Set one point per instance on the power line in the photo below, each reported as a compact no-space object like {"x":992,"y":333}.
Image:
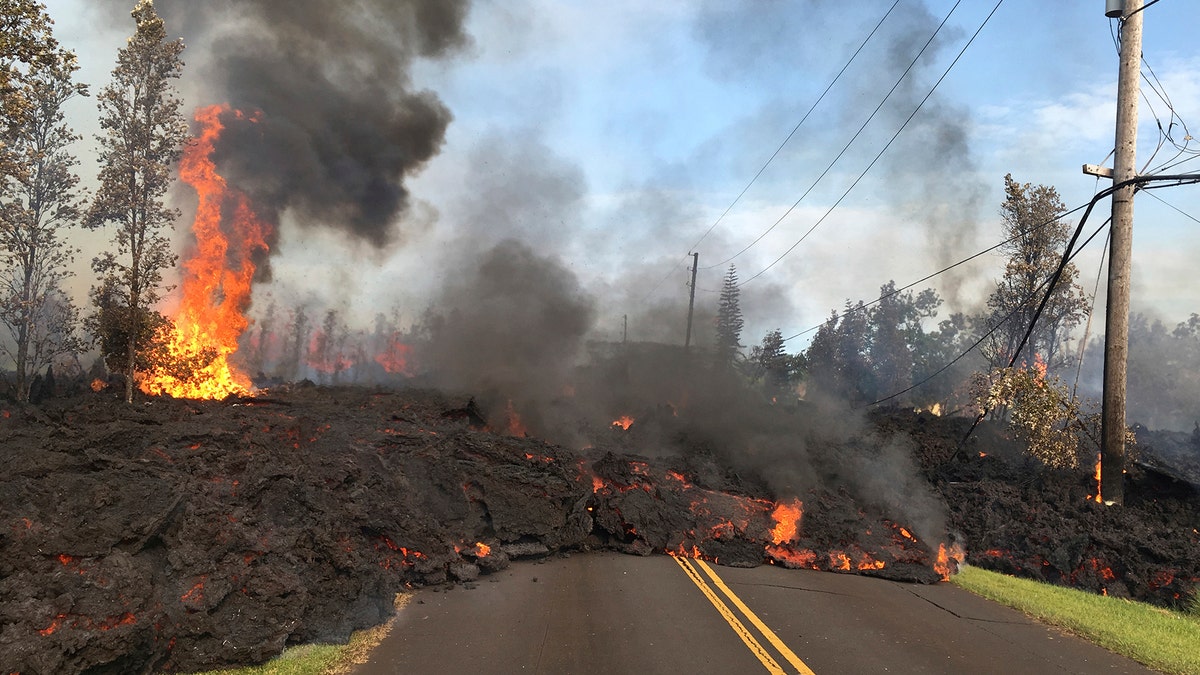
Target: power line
{"x":1068,"y":255}
{"x":882,"y":151}
{"x":968,"y":259}
{"x":1140,"y":9}
{"x":796,"y":128}
{"x":777,"y":151}
{"x":846,"y":147}
{"x":1181,"y":211}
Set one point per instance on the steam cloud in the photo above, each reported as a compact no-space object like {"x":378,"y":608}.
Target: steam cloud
{"x":341,"y":127}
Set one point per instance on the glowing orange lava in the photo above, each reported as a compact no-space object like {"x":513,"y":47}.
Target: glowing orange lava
{"x":624,"y":422}
{"x":217,"y":275}
{"x":787,"y":521}
{"x":482,"y":549}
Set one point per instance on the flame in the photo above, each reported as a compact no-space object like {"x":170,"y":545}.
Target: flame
{"x":945,"y":555}
{"x":1039,"y":366}
{"x":787,"y":521}
{"x":838,"y":560}
{"x":216,"y":277}
{"x":1099,"y":465}
{"x":395,"y":359}
{"x":624,"y":422}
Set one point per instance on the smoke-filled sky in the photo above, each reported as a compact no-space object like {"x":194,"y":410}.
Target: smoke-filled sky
{"x":405,"y":139}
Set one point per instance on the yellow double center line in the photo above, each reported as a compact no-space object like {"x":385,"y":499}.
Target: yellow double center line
{"x":691,"y":567}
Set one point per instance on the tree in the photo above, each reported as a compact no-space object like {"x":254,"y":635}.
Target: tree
{"x":25,"y":42}
{"x":896,"y":335}
{"x":729,"y":321}
{"x":1038,"y":236}
{"x":297,"y":344}
{"x":838,"y":358}
{"x":37,"y":202}
{"x":768,"y":361}
{"x":143,"y":139}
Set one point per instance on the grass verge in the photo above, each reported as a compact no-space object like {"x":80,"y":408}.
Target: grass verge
{"x":322,"y":659}
{"x":1161,"y":639}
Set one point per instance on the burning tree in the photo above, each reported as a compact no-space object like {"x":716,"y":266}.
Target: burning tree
{"x":1031,"y":220}
{"x":38,"y":199}
{"x":144,"y":138}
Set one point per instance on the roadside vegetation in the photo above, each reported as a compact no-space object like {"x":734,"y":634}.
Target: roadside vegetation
{"x":1159,"y":638}
{"x":322,"y":659}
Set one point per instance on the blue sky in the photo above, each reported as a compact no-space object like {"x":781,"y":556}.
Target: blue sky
{"x":612,"y":136}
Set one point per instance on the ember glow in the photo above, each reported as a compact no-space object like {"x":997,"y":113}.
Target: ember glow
{"x":217,"y":275}
{"x":623,"y":422}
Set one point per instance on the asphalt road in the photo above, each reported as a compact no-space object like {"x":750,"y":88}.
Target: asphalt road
{"x":611,"y":613}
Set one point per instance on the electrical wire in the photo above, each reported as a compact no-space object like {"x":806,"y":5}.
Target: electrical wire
{"x":849,"y":143}
{"x":1032,"y":293}
{"x":1179,"y":210}
{"x":1087,"y":329}
{"x":1139,"y":9}
{"x":777,"y":151}
{"x":968,"y":259}
{"x":882,"y":151}
{"x":796,"y":128}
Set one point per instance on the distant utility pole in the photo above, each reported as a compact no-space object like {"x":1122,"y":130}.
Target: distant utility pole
{"x":687,"y":341}
{"x":1116,"y":332}
{"x":625,"y":329}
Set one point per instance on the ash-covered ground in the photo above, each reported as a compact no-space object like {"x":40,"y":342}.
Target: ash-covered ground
{"x":174,"y":535}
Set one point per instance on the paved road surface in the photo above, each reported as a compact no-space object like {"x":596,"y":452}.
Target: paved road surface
{"x":611,"y":613}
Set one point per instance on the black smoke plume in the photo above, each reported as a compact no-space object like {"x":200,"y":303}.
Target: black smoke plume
{"x":341,"y":126}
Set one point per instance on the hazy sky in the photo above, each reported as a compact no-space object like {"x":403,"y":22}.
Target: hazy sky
{"x":613,"y":135}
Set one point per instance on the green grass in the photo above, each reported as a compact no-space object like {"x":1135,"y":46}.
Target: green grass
{"x":299,"y":660}
{"x":322,"y":659}
{"x":1161,"y":639}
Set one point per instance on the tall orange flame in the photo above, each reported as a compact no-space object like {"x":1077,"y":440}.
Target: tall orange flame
{"x":217,"y":274}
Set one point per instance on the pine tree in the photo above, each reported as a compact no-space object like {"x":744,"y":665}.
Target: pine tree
{"x":729,"y":321}
{"x":143,"y":140}
{"x":37,"y":202}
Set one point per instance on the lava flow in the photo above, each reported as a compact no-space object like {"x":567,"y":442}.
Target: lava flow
{"x":217,"y":275}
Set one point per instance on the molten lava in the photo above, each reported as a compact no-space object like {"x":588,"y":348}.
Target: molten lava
{"x":623,"y":422}
{"x":787,"y":521}
{"x":217,"y":275}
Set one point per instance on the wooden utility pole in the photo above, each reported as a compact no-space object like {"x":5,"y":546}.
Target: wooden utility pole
{"x":687,"y":341}
{"x":1116,"y":332}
